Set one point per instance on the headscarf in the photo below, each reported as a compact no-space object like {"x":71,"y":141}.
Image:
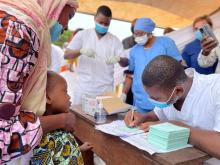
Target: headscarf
{"x":53,"y":8}
{"x":38,"y":15}
{"x":145,"y":24}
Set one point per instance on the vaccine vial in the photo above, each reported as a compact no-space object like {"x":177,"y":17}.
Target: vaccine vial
{"x":100,"y":114}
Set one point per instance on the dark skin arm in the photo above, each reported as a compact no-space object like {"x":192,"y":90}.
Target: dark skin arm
{"x":64,"y":121}
{"x":127,"y":83}
{"x":71,"y":54}
{"x":207,"y":141}
{"x":198,"y":137}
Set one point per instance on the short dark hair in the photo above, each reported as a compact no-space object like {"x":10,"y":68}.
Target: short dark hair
{"x":168,"y":30}
{"x":53,"y":79}
{"x":105,"y":10}
{"x":204,"y":17}
{"x":163,"y":71}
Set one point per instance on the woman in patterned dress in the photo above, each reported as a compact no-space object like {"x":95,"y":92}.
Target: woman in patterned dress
{"x":24,"y":56}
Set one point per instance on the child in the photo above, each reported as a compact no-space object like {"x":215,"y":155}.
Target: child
{"x":58,"y":147}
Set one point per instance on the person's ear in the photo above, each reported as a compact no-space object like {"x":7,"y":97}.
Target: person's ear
{"x":179,"y":91}
{"x":110,"y":19}
{"x":49,"y":99}
{"x":150,"y":35}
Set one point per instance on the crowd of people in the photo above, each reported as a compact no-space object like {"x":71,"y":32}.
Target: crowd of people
{"x":164,"y":84}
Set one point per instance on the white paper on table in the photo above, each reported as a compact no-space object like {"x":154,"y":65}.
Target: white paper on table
{"x":118,"y":128}
{"x":133,"y":136}
{"x":140,"y":141}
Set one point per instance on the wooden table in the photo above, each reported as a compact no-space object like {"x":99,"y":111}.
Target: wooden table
{"x":115,"y":151}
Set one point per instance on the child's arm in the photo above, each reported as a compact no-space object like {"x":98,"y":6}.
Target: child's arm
{"x":85,"y":146}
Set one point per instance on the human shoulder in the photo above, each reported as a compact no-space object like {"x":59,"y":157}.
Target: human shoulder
{"x":215,"y":80}
{"x":164,"y":38}
{"x":113,"y":37}
{"x":82,"y":36}
{"x":86,"y":31}
{"x":165,"y":41}
{"x":192,"y":44}
{"x":209,"y":82}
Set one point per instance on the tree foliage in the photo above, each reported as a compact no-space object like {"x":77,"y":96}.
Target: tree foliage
{"x":65,"y":37}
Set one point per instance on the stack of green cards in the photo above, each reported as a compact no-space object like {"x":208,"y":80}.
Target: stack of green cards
{"x":168,"y":136}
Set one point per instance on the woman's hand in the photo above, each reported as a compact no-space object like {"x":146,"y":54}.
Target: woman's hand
{"x":208,"y":44}
{"x":69,"y":121}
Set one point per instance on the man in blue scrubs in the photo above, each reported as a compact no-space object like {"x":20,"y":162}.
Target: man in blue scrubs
{"x":148,"y":47}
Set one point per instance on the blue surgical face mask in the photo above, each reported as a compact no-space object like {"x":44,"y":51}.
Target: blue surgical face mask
{"x":142,"y":40}
{"x":55,"y":31}
{"x":198,"y":35}
{"x":159,"y":104}
{"x":164,"y":104}
{"x":101,"y":29}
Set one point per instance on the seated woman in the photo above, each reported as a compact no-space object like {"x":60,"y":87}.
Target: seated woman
{"x":58,"y":146}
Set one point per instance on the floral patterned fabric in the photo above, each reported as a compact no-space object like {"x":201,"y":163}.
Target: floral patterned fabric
{"x":57,"y":148}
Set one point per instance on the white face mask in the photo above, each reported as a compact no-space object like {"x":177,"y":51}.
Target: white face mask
{"x":142,"y":40}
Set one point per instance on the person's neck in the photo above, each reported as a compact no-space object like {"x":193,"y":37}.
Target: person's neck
{"x":187,"y":86}
{"x":150,"y":42}
{"x":100,"y":35}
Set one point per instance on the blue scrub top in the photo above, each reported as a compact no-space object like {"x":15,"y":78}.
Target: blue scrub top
{"x":190,"y":55}
{"x":139,"y":58}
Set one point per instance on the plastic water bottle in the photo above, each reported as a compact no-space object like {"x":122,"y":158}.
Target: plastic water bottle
{"x":100,"y":114}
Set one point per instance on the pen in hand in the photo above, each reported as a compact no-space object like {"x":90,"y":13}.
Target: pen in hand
{"x":133,"y":109}
{"x":132,"y":114}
